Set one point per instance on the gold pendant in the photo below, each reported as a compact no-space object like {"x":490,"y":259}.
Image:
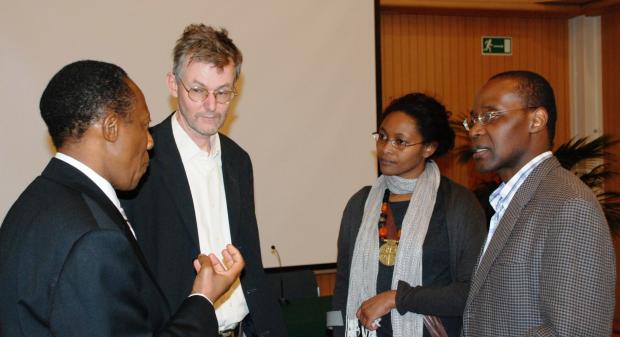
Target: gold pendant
{"x":387,"y":252}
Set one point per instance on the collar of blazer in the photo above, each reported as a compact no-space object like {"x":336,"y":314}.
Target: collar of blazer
{"x":166,"y":159}
{"x":69,"y":176}
{"x":508,"y":220}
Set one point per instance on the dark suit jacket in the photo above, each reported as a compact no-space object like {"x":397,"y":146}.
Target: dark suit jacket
{"x":549,"y":269}
{"x":70,"y":267}
{"x":162,"y":212}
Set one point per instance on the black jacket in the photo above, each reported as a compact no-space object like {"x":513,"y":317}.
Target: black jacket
{"x":459,"y":213}
{"x":70,"y":267}
{"x":162,"y":212}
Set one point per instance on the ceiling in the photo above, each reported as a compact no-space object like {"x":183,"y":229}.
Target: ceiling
{"x":566,"y":2}
{"x":567,"y":8}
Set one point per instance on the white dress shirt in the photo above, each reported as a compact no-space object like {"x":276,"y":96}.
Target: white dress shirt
{"x":501,"y":197}
{"x":107,"y":189}
{"x":100,"y":181}
{"x":206,"y":182}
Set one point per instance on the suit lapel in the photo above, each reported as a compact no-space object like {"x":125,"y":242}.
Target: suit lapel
{"x":68,"y":175}
{"x":509,"y":219}
{"x":231,"y":187}
{"x":167,"y":156}
{"x":65,"y":174}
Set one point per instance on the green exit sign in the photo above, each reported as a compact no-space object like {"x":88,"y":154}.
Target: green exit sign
{"x":496,"y":45}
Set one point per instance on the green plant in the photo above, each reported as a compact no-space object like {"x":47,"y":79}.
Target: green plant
{"x":578,"y":156}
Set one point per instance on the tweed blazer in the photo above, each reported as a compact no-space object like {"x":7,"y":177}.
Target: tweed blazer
{"x":549,"y":269}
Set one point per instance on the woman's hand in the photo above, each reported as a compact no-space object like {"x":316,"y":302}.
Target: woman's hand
{"x":376,"y":307}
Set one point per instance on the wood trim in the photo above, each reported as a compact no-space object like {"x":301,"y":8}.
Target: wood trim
{"x":326,"y":281}
{"x":325,"y":275}
{"x":610,"y":53}
{"x":601,"y":7}
{"x":456,"y":7}
{"x":441,"y":55}
{"x":502,"y":8}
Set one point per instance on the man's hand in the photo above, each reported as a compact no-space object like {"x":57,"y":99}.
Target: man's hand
{"x":376,"y":307}
{"x":214,"y":277}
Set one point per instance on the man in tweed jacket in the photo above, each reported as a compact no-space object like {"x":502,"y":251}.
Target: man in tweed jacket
{"x":547,"y":267}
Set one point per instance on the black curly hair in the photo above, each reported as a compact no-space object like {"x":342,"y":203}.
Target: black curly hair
{"x":432,"y":118}
{"x":535,"y":91}
{"x":80,"y":94}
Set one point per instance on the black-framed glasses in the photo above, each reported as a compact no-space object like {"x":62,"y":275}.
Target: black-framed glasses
{"x":396,"y":143}
{"x":487,"y":117}
{"x":200,"y":94}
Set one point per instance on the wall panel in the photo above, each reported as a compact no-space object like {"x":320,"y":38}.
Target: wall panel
{"x":326,"y":281}
{"x":610,"y":31}
{"x":441,"y":55}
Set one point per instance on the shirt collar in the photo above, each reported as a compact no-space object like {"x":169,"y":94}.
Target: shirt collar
{"x":187,"y":148}
{"x":100,"y":181}
{"x":505,"y":188}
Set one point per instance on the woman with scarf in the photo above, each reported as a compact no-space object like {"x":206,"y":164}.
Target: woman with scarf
{"x":408,"y":244}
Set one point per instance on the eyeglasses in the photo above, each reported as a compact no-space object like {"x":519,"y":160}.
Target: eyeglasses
{"x":199,"y":94}
{"x":487,"y":117}
{"x":398,"y":144}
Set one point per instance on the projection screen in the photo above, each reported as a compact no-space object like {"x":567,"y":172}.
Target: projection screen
{"x":305,"y":111}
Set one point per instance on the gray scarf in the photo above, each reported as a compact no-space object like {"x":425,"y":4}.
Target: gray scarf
{"x":408,"y":267}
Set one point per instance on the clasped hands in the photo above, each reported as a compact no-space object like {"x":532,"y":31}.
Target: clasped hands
{"x":376,"y":307}
{"x":379,"y":305}
{"x":215,"y":277}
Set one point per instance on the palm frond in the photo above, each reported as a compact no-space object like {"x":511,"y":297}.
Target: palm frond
{"x":570,"y":154}
{"x":607,"y":197}
{"x":482,"y":193}
{"x":610,"y":202}
{"x":580,"y":149}
{"x":463,"y":153}
{"x":597,"y":175}
{"x":457,"y":125}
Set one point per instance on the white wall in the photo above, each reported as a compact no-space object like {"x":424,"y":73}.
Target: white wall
{"x":586,"y":98}
{"x":586,"y":83}
{"x":305,"y":113}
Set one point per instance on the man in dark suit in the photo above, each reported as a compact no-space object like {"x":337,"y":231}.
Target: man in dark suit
{"x":69,"y":262}
{"x":198,"y":194}
{"x":547,"y":268}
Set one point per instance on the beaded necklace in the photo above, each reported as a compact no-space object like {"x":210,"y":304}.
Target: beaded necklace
{"x":388,"y":233}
